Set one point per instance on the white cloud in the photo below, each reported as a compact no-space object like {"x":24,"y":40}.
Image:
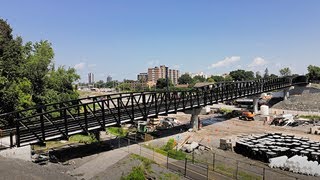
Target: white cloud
{"x":80,"y":66}
{"x":176,"y":66}
{"x":226,"y":62}
{"x":258,"y":61}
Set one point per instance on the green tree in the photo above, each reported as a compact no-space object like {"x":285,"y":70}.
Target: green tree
{"x":242,"y":75}
{"x":217,"y":78}
{"x":273,"y":76}
{"x":100,"y":84}
{"x":258,"y":75}
{"x":124,"y":87}
{"x":27,"y":73}
{"x":313,"y":72}
{"x":210,"y":80}
{"x":185,"y":79}
{"x":161,"y":83}
{"x":285,"y":71}
{"x":199,"y":79}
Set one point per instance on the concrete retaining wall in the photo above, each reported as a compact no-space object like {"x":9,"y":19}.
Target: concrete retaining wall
{"x":23,"y":153}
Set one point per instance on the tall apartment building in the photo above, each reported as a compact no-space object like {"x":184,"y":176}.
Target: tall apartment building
{"x":160,"y":72}
{"x":90,"y":78}
{"x":142,"y":77}
{"x":109,"y":79}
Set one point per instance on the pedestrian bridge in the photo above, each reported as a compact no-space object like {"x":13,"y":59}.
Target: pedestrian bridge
{"x":60,"y":120}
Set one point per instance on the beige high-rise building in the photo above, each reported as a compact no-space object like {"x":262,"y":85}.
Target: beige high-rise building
{"x":160,"y":72}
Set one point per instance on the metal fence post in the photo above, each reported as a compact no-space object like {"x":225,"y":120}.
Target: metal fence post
{"x":118,"y":142}
{"x":168,"y":160}
{"x":185,"y":167}
{"x":140,"y":149}
{"x":128,"y":145}
{"x":264,"y":174}
{"x":208,"y":171}
{"x":213,"y":162}
{"x":193,"y":157}
{"x":237,"y":170}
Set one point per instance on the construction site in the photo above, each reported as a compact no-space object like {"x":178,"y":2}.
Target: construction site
{"x":268,"y":137}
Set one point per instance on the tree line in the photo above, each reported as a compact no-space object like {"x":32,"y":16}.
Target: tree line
{"x":28,"y":75}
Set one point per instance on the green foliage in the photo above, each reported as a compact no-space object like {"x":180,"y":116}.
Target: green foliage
{"x":137,"y":173}
{"x":242,"y":75}
{"x":185,"y":79}
{"x":258,"y":75}
{"x":117,"y":131}
{"x":285,"y":71}
{"x":312,"y":117}
{"x":170,"y":145}
{"x":273,"y":76}
{"x":79,"y":138}
{"x":161,"y":83}
{"x":124,"y":87}
{"x":313,"y":72}
{"x":224,"y":110}
{"x":169,"y":176}
{"x":266,"y":73}
{"x":145,"y":161}
{"x":199,"y":78}
{"x":179,"y":155}
{"x":27,"y":73}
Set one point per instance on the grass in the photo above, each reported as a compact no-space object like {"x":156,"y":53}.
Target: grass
{"x":145,"y":161}
{"x":228,"y":171}
{"x":247,"y":176}
{"x":225,"y":110}
{"x":137,"y":173}
{"x":168,"y":149}
{"x":117,"y":131}
{"x":169,"y":176}
{"x":79,"y":138}
{"x":311,"y":117}
{"x":49,"y":145}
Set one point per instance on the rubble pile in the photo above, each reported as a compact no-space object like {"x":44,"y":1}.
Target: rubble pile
{"x":304,"y":102}
{"x":194,"y":147}
{"x":265,"y":146}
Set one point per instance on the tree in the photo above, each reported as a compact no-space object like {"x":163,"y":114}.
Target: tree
{"x":273,"y":76}
{"x":258,"y":75}
{"x":199,"y":78}
{"x":285,"y":71}
{"x":161,"y":83}
{"x":185,"y":79}
{"x":100,"y":84}
{"x":242,"y":75}
{"x":210,"y":80}
{"x":28,"y":76}
{"x":313,"y":72}
{"x":266,"y":73}
{"x":217,"y":78}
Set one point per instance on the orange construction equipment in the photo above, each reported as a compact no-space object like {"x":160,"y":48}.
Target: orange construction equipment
{"x":246,"y":115}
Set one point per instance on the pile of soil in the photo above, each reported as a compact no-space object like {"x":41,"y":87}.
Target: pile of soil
{"x":304,"y":102}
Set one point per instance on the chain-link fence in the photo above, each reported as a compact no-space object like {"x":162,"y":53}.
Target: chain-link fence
{"x":196,"y":166}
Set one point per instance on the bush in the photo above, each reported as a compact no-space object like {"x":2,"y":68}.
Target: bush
{"x":137,"y":173}
{"x":87,"y":139}
{"x":174,"y":154}
{"x":117,"y":131}
{"x":170,"y":145}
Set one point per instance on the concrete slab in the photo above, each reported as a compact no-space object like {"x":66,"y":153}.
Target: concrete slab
{"x":23,"y":153}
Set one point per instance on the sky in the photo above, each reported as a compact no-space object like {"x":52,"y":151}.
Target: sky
{"x":122,"y":38}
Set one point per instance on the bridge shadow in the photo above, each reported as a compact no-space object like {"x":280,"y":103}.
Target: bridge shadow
{"x":74,"y":151}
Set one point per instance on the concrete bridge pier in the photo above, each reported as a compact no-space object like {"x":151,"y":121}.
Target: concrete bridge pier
{"x":286,"y":93}
{"x":256,"y":104}
{"x":194,"y":121}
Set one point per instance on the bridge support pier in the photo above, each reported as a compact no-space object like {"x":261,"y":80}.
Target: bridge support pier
{"x":256,"y":104}
{"x":286,"y":93}
{"x":194,"y":121}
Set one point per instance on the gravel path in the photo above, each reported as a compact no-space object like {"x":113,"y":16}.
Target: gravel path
{"x":18,"y":169}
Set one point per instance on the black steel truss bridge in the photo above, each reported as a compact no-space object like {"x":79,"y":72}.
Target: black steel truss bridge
{"x":60,"y":120}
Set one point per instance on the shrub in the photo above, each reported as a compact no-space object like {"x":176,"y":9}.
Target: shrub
{"x":137,"y":173}
{"x":87,"y":139}
{"x":117,"y":131}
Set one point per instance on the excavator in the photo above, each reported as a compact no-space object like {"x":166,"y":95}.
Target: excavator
{"x":246,"y":115}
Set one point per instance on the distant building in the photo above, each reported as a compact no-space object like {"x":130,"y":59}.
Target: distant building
{"x":142,"y":77}
{"x":90,"y":78}
{"x":109,"y":79}
{"x":160,"y":72}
